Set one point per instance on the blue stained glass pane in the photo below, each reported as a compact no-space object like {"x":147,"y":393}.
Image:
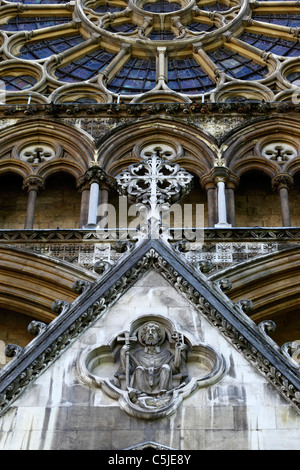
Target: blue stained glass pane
{"x":43,"y":49}
{"x":161,"y":6}
{"x":13,"y":83}
{"x":277,"y":46}
{"x":107,"y":8}
{"x":121,"y":28}
{"x":216,"y":6}
{"x":287,"y":19}
{"x":40,"y":1}
{"x":238,"y":66}
{"x":161,"y":36}
{"x":201,"y":27}
{"x":294,"y":78}
{"x":84,"y":68}
{"x":28,"y":23}
{"x":186,"y":76}
{"x":136,"y":77}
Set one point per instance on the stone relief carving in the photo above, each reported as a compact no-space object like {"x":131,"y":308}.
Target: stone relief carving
{"x":151,"y":367}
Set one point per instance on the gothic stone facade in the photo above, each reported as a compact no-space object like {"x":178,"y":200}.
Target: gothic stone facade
{"x":112,"y":338}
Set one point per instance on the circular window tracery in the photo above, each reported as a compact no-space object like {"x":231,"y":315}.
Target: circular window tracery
{"x":207,"y":45}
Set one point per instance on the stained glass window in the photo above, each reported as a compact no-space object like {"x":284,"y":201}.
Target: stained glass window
{"x":21,"y":23}
{"x":137,"y":76}
{"x":292,"y":21}
{"x":107,"y":8}
{"x":23,"y":82}
{"x":161,"y":35}
{"x":277,"y":46}
{"x":238,"y":66}
{"x":216,"y":6}
{"x":135,"y":27}
{"x":201,"y":27}
{"x":294,"y":78}
{"x":121,"y":28}
{"x":161,"y":6}
{"x":42,"y":49}
{"x":186,"y":76}
{"x":84,"y":68}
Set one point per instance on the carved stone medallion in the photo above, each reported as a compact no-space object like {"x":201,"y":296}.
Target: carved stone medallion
{"x":151,"y":367}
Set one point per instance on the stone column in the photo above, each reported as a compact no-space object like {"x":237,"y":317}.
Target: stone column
{"x":103,"y":201}
{"x":84,"y":188}
{"x":33,"y":184}
{"x":94,"y":175}
{"x":161,"y":67}
{"x":232,"y":184}
{"x":220,"y":176}
{"x":211,"y":203}
{"x":105,"y":75}
{"x":283,"y":183}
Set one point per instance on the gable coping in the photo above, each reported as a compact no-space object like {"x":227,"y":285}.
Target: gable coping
{"x":96,"y":298}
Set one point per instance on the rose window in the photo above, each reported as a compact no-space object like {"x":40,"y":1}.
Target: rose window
{"x":154,"y":50}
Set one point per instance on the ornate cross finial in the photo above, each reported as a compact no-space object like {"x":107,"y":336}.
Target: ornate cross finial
{"x":154,"y":183}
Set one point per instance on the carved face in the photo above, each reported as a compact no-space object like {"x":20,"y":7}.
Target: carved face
{"x":151,"y":334}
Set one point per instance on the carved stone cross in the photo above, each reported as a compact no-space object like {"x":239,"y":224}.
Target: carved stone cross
{"x":154,"y":183}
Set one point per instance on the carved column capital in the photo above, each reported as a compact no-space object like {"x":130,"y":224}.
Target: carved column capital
{"x":33,"y":183}
{"x":82,"y":183}
{"x":95,"y":174}
{"x":220,"y":174}
{"x":282,"y":180}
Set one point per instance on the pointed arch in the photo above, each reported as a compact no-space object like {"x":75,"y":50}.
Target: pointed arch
{"x":30,"y":282}
{"x":244,"y":143}
{"x":73,"y":149}
{"x":116,"y":149}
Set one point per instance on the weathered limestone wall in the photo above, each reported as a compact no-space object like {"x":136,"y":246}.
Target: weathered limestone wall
{"x":241,"y":411}
{"x":256,"y":203}
{"x":13,"y":202}
{"x":58,"y":205}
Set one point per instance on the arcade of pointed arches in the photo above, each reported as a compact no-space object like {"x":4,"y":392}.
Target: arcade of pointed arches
{"x":56,"y":165}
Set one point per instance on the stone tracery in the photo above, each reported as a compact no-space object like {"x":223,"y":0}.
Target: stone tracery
{"x":131,"y":48}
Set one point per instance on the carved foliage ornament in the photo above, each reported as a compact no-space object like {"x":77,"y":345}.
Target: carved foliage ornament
{"x":151,"y":367}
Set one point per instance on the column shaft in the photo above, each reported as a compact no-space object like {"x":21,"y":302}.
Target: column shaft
{"x":103,"y":202}
{"x":285,"y":207}
{"x":84,"y":208}
{"x":222,"y":212}
{"x":93,"y":204}
{"x":31,"y":204}
{"x":231,"y":206}
{"x":211,"y":206}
